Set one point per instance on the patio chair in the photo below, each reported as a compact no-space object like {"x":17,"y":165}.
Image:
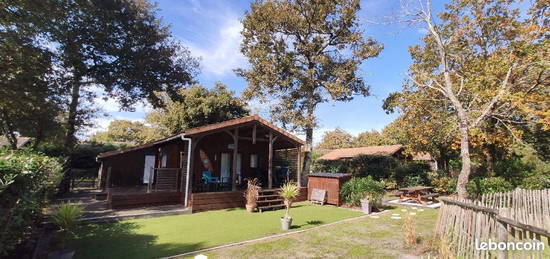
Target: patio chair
{"x":208,"y":178}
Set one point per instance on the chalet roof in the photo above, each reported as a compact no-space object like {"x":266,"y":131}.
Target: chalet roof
{"x":207,"y":129}
{"x":422,"y":156}
{"x":329,"y":175}
{"x":343,"y":153}
{"x":21,"y":141}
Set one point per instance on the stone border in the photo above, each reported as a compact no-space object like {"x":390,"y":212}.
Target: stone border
{"x":271,"y":237}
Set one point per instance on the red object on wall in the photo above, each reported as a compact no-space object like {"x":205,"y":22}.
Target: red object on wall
{"x":330,"y":182}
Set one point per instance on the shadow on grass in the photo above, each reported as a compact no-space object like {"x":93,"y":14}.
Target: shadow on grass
{"x":119,"y":240}
{"x":308,"y":223}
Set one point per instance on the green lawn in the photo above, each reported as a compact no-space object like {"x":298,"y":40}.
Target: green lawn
{"x":364,"y":238}
{"x":171,"y":235}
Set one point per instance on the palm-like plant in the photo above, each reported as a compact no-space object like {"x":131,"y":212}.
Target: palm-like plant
{"x":289,"y":192}
{"x":252,"y":191}
{"x":66,"y":218}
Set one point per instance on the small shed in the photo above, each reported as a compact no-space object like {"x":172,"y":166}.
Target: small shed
{"x":330,"y":182}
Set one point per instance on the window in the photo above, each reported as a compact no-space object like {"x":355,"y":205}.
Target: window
{"x":253,"y":160}
{"x":164,"y":160}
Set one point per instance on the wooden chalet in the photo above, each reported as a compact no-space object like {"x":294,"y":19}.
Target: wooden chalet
{"x":203,"y":168}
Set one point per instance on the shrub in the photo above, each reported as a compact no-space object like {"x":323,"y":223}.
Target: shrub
{"x":413,"y":180}
{"x":358,"y":188}
{"x":536,"y":182}
{"x":389,"y":184}
{"x":26,"y":180}
{"x":66,"y":218}
{"x":479,"y":186}
{"x":442,"y":183}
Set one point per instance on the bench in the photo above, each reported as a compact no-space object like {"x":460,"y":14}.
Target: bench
{"x":318,"y":196}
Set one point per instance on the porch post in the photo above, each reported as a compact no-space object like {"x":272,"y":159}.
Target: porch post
{"x":270,"y":162}
{"x":299,"y":166}
{"x":235,"y":154}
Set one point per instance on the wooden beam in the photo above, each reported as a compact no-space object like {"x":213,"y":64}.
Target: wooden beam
{"x":257,"y":139}
{"x":270,"y":162}
{"x":254,"y":134}
{"x":299,"y":166}
{"x":235,"y":154}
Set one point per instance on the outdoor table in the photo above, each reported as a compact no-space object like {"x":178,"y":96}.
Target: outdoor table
{"x":417,"y":193}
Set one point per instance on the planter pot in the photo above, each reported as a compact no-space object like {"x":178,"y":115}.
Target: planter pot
{"x":366,"y":206}
{"x":286,"y":223}
{"x":64,"y":254}
{"x":250,"y":208}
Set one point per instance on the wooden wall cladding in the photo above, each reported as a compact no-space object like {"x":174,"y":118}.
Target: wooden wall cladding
{"x":134,"y":200}
{"x":331,"y":185}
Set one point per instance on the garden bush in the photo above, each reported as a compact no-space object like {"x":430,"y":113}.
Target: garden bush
{"x":479,"y":186}
{"x":536,"y":182}
{"x":442,"y":182}
{"x":358,"y":188}
{"x":26,"y":181}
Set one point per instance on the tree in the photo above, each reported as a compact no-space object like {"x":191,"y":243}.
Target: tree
{"x":118,"y":47}
{"x":336,"y":138}
{"x":193,"y":107}
{"x":369,"y":138}
{"x":303,"y":53}
{"x":121,"y":131}
{"x":29,"y":103}
{"x":483,"y":62}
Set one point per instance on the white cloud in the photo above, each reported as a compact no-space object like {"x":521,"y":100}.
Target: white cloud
{"x":222,"y":54}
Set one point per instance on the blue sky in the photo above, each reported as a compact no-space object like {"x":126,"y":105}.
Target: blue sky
{"x":211,"y":30}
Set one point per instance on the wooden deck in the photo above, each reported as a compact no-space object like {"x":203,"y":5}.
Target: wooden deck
{"x":134,"y":197}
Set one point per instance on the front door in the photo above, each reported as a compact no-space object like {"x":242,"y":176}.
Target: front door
{"x":148,"y":168}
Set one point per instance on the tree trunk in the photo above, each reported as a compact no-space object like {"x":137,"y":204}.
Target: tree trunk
{"x":307,"y":155}
{"x":70,"y":138}
{"x":489,"y":160}
{"x":466,"y":163}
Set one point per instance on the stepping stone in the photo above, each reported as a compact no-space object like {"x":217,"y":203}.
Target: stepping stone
{"x":414,"y":208}
{"x":403,"y":210}
{"x":412,"y":213}
{"x":420,"y":210}
{"x":395,"y":214}
{"x":395,"y":217}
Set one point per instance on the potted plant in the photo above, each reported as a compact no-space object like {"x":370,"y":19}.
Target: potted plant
{"x":251,"y":194}
{"x":288,"y":192}
{"x":66,"y":217}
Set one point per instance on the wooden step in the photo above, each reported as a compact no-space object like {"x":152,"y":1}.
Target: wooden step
{"x":268,"y":196}
{"x":275,"y":206}
{"x":269,"y":201}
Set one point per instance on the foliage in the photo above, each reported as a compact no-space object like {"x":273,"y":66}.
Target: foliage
{"x":475,"y":87}
{"x":252,"y":191}
{"x":389,"y":183}
{"x":121,"y":131}
{"x":26,"y":180}
{"x":375,"y":138}
{"x":289,"y":191}
{"x":536,"y":182}
{"x":358,"y":188}
{"x":302,"y":54}
{"x":379,"y":167}
{"x":336,"y":138}
{"x":193,"y":107}
{"x":479,"y":186}
{"x":442,"y":182}
{"x":412,"y":180}
{"x":66,"y":216}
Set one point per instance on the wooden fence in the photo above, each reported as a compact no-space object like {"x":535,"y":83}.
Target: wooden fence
{"x":510,"y":217}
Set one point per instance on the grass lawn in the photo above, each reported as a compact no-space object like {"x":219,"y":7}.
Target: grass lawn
{"x":171,"y":235}
{"x":365,"y":238}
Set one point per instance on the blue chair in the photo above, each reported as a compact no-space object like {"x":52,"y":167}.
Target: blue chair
{"x":208,"y":178}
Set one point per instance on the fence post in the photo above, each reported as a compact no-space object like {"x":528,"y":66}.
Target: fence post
{"x":502,"y":237}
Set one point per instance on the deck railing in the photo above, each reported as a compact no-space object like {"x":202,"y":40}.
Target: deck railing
{"x":165,"y":179}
